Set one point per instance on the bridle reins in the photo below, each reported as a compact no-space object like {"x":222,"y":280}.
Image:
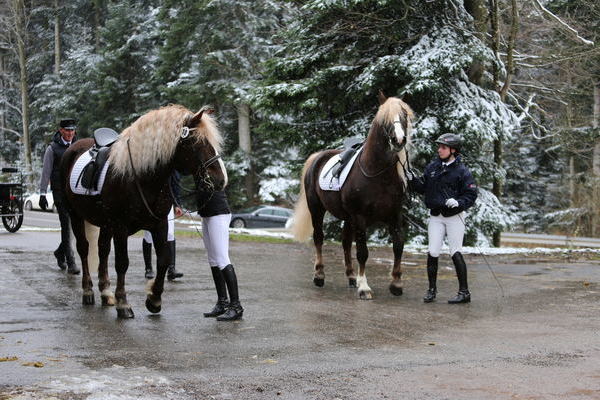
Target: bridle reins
{"x":205,"y":178}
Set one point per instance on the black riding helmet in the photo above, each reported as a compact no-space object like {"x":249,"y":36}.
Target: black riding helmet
{"x":450,"y":140}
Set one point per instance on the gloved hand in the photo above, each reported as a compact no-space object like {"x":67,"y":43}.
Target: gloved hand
{"x":410,"y":174}
{"x":451,"y":203}
{"x":43,"y":202}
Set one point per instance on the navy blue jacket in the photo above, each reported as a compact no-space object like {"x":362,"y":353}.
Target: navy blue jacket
{"x":212,"y":203}
{"x":439,"y":183}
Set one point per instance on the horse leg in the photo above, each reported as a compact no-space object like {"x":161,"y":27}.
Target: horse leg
{"x":163,"y":256}
{"x":317,"y":215}
{"x":78,"y":226}
{"x":107,"y":296}
{"x":347,"y":238}
{"x":362,"y":253}
{"x":121,"y":265}
{"x":397,"y":231}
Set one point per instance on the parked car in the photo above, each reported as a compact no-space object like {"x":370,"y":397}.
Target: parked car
{"x":32,"y":202}
{"x":261,"y":217}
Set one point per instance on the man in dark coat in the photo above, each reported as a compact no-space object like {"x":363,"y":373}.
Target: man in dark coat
{"x":51,"y":174}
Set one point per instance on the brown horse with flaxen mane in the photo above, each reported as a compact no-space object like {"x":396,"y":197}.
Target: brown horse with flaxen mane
{"x":136,"y":193}
{"x":374,"y":191}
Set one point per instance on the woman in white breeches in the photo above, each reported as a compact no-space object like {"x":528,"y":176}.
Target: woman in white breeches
{"x":449,"y":189}
{"x":216,"y":216}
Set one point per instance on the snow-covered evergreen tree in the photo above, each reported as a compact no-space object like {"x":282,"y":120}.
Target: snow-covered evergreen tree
{"x":340,"y":53}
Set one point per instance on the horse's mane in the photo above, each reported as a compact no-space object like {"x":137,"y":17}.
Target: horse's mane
{"x":153,"y":138}
{"x":392,"y":107}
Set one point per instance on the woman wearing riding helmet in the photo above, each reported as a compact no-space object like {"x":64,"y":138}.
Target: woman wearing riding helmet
{"x":449,"y":190}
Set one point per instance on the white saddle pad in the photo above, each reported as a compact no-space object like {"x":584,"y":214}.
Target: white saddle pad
{"x":75,"y":181}
{"x":326,"y":179}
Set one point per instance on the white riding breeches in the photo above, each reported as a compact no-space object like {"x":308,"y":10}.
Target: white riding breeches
{"x":451,"y":227}
{"x":215,"y":234}
{"x":171,"y":229}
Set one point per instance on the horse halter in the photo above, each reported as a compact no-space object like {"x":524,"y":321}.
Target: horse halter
{"x":203,"y":176}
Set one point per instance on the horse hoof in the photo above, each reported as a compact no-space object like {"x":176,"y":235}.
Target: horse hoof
{"x":396,"y":290}
{"x":125,"y":313}
{"x":365,"y":295}
{"x":88,"y":299}
{"x":153,"y":308}
{"x":352,"y":282}
{"x":108,"y":301}
{"x":320,"y":282}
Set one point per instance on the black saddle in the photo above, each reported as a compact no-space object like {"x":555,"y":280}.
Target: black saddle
{"x":351,"y":146}
{"x":90,"y":175}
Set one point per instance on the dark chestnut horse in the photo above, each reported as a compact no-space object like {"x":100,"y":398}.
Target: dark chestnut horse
{"x":136,"y":193}
{"x":374,"y":191}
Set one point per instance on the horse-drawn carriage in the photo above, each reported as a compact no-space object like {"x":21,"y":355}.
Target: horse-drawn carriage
{"x":11,"y":200}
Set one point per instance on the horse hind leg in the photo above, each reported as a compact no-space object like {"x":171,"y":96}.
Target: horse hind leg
{"x":317,"y":215}
{"x":347,"y":238}
{"x":107,"y":296}
{"x":82,"y":244}
{"x":362,"y":253}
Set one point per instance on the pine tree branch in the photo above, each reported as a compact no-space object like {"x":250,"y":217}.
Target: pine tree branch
{"x":560,"y":22}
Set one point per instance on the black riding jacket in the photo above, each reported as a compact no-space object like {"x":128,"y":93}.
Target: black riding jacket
{"x":212,"y":203}
{"x":440,"y":183}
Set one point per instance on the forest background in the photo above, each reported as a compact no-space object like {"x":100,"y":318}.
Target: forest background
{"x":518,"y":79}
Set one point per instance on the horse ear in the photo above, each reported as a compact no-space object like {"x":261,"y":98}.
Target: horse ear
{"x":381,"y":96}
{"x":195,"y":120}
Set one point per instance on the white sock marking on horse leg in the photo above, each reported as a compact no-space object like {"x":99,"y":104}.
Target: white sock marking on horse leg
{"x":363,"y":286}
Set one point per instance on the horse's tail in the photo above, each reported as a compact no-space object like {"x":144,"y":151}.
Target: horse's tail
{"x":91,"y":234}
{"x":302,"y":227}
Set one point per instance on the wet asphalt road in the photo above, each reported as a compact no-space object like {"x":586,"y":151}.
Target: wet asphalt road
{"x":297,"y":341}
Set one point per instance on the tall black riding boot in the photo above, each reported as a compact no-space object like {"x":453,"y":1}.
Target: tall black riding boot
{"x":147,"y":252}
{"x":222,"y":301}
{"x":432,"y":269}
{"x":235,"y":310}
{"x":463,"y":295}
{"x":172,"y":273}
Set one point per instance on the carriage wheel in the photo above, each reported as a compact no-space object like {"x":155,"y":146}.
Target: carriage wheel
{"x":12,"y":223}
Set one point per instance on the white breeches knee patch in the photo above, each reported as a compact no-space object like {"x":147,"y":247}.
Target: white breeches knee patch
{"x":215,"y":234}
{"x":451,"y":227}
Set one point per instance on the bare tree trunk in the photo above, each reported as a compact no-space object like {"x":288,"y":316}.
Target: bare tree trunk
{"x":56,"y":39}
{"x":245,"y":142}
{"x":510,"y":68}
{"x":596,"y":164}
{"x":595,"y":125}
{"x":2,"y":88}
{"x":21,"y":38}
{"x":479,"y":11}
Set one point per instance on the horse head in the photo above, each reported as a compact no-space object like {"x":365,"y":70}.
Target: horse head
{"x":197,"y":152}
{"x":394,"y":117}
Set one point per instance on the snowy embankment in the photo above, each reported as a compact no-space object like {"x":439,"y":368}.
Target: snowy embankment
{"x":410,"y":247}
